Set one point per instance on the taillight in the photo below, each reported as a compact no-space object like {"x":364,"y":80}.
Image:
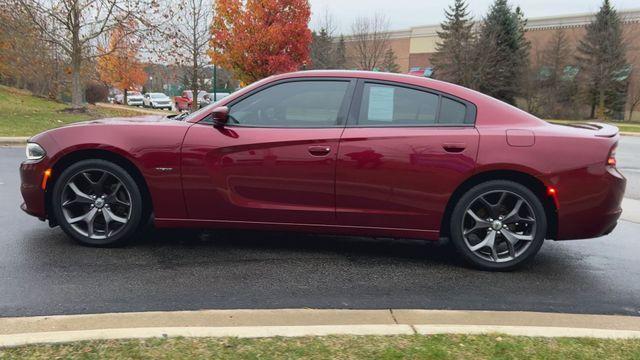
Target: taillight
{"x":611,"y":160}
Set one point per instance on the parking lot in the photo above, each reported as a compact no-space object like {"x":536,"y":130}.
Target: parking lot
{"x":43,"y":272}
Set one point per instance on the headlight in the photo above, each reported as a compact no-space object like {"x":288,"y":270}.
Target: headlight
{"x":35,"y":151}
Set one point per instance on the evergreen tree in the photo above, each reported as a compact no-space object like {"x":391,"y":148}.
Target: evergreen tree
{"x":389,"y":62}
{"x":602,"y":57}
{"x":503,"y":32}
{"x":452,"y":61}
{"x":322,"y":54}
{"x":557,"y":85}
{"x":341,"y":54}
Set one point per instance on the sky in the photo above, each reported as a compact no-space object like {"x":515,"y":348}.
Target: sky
{"x":404,"y":14}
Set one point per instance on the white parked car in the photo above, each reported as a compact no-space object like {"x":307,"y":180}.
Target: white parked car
{"x":135,"y":98}
{"x":157,"y":101}
{"x":210,"y":98}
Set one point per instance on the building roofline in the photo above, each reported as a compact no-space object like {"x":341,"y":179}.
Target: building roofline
{"x":537,"y":23}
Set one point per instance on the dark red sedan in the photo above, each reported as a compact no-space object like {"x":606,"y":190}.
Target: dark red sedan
{"x":354,"y":153}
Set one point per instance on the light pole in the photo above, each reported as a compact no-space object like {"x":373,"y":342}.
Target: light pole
{"x":215,"y":82}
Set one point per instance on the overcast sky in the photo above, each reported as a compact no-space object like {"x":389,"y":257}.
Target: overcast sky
{"x":407,"y":13}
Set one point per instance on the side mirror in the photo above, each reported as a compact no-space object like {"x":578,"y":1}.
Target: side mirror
{"x":220,"y":116}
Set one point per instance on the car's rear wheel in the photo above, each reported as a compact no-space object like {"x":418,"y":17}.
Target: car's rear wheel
{"x":97,"y":203}
{"x":498,"y":225}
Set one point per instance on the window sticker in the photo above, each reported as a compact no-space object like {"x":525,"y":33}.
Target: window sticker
{"x":381,"y":100}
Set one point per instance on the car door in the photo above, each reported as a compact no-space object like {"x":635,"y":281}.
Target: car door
{"x":403,"y":153}
{"x":275,"y":161}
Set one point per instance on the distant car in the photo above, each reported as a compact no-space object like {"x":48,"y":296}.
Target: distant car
{"x":157,"y":101}
{"x":119,"y":99}
{"x":184,"y":101}
{"x":336,"y":152}
{"x":418,"y":71}
{"x":210,"y":98}
{"x":135,"y":98}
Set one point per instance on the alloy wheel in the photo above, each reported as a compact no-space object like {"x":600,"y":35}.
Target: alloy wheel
{"x":499,"y":226}
{"x":96,"y":204}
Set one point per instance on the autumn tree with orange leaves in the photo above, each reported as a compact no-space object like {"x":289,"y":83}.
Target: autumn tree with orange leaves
{"x":259,"y":38}
{"x":119,"y":66}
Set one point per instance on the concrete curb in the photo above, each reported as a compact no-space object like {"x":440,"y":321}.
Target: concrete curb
{"x":308,"y":322}
{"x":13,"y":141}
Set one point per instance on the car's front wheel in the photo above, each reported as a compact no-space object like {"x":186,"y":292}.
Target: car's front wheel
{"x":498,"y":225}
{"x":97,"y":203}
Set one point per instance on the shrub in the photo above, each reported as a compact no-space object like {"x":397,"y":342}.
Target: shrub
{"x":96,"y":91}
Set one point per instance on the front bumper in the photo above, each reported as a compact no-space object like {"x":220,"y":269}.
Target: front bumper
{"x":31,"y":175}
{"x":590,"y":202}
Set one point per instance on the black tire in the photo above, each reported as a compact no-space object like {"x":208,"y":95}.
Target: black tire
{"x":135,"y":208}
{"x":488,"y":188}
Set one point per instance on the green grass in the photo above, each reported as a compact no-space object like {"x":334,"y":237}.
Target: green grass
{"x":338,"y":347}
{"x":22,"y":114}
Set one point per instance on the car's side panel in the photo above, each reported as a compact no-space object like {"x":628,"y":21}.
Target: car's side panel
{"x":152,"y":146}
{"x":402,"y":177}
{"x":260,"y":174}
{"x":573,"y":162}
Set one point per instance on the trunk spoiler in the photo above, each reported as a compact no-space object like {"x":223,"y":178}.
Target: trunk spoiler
{"x":601,"y":129}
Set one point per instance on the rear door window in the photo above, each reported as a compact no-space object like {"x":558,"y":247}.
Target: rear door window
{"x":389,"y":105}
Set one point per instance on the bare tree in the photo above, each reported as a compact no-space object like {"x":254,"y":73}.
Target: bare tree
{"x":187,"y":37}
{"x":370,"y":41}
{"x":76,"y":26}
{"x":633,"y":92}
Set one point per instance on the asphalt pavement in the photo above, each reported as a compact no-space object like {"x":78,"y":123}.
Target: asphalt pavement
{"x":628,"y":156}
{"x":42,"y":272}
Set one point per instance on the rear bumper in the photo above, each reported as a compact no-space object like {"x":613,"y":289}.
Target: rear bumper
{"x":590,"y":202}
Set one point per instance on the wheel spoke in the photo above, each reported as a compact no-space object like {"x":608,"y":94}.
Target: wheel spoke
{"x":113,"y":217}
{"x":503,"y":197}
{"x":513,"y":237}
{"x":513,"y":215}
{"x":96,"y":186}
{"x":488,"y":241}
{"x":479,"y":223}
{"x":489,"y":206}
{"x":80,"y":196}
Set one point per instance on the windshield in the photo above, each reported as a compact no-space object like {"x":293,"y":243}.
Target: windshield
{"x":204,"y":110}
{"x":158,"y":96}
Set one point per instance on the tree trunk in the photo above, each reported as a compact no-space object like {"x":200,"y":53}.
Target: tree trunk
{"x":76,"y":59}
{"x":76,"y":86}
{"x":126,"y":96}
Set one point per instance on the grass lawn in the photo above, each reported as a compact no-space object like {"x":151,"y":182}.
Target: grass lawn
{"x":338,"y":347}
{"x":22,"y":114}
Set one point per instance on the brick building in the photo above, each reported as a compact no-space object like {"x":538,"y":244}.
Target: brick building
{"x":415,"y":46}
